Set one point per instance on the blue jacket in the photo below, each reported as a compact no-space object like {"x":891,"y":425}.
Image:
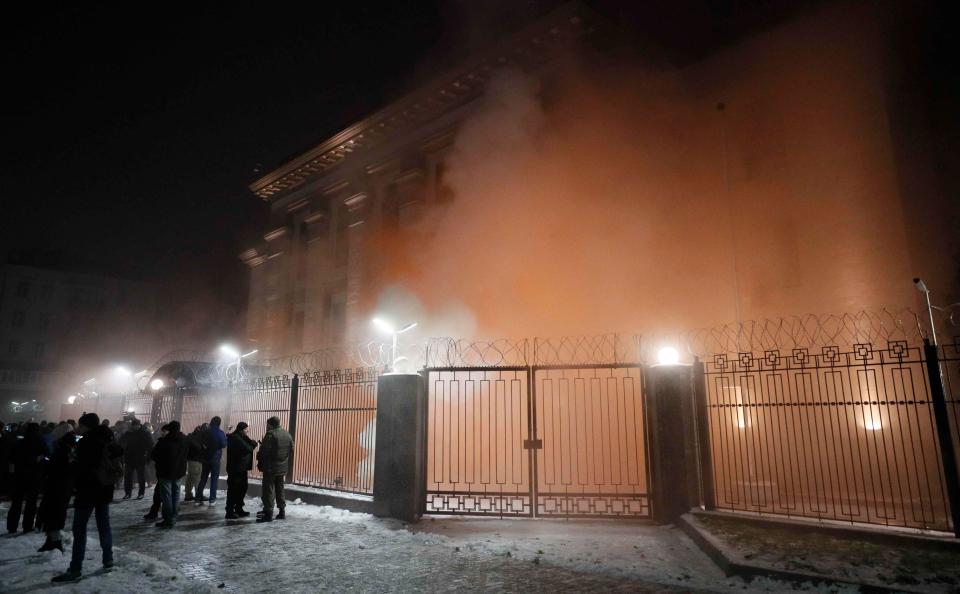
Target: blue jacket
{"x":216,"y":441}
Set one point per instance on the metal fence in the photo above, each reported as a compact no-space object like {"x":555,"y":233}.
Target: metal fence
{"x":834,"y":433}
{"x":536,"y":428}
{"x":330,"y":413}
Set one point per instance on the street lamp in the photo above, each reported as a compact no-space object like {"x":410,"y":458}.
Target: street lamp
{"x":233,"y":353}
{"x":156,"y":384}
{"x":388,"y":328}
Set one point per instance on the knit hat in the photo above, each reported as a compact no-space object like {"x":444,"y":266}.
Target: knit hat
{"x":173,"y":426}
{"x":241,"y":426}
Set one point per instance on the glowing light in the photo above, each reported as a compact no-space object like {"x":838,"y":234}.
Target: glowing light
{"x":229,"y":351}
{"x":383,"y":325}
{"x":71,"y":399}
{"x":121,"y":370}
{"x":140,"y":373}
{"x":872,"y":425}
{"x":668,"y":356}
{"x":156,"y":384}
{"x":254,"y":351}
{"x":131,"y":409}
{"x":90,"y":381}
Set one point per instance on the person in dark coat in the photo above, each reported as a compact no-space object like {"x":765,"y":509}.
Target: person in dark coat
{"x":95,"y":471}
{"x":274,"y":460}
{"x":194,"y":462}
{"x":170,"y":456}
{"x":28,"y":454}
{"x":239,"y":462}
{"x":137,"y":443}
{"x":58,"y":487}
{"x":214,"y":441}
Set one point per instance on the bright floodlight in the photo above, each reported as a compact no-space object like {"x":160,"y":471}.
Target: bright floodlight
{"x":71,"y":399}
{"x":407,"y":327}
{"x":383,"y":325}
{"x":668,"y":356}
{"x":131,"y":409}
{"x":253,"y":352}
{"x":120,"y":369}
{"x":228,"y":350}
{"x":156,"y":384}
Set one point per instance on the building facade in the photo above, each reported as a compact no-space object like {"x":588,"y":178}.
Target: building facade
{"x":796,"y":189}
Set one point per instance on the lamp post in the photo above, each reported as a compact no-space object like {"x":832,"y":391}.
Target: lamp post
{"x":388,"y":328}
{"x":235,"y":354}
{"x":922,"y":287}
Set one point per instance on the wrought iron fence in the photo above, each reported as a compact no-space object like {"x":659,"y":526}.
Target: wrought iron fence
{"x":331,"y":413}
{"x":336,"y":429}
{"x":830,"y":433}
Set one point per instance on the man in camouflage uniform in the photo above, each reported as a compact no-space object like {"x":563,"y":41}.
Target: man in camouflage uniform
{"x":273,"y":460}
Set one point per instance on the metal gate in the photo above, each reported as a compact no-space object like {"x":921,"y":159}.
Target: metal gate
{"x":559,"y":441}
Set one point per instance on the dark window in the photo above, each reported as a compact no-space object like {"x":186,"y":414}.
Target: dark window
{"x":13,"y":348}
{"x":23,"y":289}
{"x":38,"y":349}
{"x":18,"y":318}
{"x":43,"y":322}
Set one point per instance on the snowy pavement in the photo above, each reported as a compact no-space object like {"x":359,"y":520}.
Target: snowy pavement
{"x":327,"y":549}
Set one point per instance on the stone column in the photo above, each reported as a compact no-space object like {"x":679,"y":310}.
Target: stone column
{"x":398,"y":476}
{"x":674,"y":484}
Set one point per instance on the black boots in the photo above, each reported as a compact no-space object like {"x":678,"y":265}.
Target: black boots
{"x":49,"y":545}
{"x":281,"y":515}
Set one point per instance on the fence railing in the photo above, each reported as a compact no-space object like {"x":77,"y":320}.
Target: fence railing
{"x":832,"y":433}
{"x":332,"y":415}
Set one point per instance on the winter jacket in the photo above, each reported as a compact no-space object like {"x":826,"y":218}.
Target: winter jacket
{"x":93,"y":446}
{"x":170,"y":455}
{"x":215,"y":440}
{"x":28,"y":454}
{"x":276,"y":449}
{"x":137,"y":444}
{"x":239,"y":452}
{"x":196,"y":453}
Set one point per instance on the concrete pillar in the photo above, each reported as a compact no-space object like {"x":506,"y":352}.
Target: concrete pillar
{"x":398,"y":479}
{"x":675,"y":481}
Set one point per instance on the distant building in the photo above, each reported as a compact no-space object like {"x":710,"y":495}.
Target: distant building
{"x":814,"y":166}
{"x":55,"y":326}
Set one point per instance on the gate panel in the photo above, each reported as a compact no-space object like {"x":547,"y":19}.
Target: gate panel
{"x":253,"y":403}
{"x":477,"y":422}
{"x":840,"y":435}
{"x":593,"y":462}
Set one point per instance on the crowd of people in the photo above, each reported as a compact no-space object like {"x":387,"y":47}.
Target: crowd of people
{"x":86,"y":461}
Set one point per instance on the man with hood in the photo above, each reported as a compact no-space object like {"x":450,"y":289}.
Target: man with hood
{"x":96,"y":469}
{"x":170,"y":455}
{"x":239,"y":461}
{"x":214,"y":440}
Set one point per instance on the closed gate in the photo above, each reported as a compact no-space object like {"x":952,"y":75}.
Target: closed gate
{"x":558,"y":441}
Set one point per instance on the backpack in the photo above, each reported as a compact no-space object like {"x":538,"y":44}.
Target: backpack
{"x":109,"y":471}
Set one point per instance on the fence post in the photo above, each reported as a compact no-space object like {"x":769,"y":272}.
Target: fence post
{"x":398,"y":470}
{"x":942,"y":416}
{"x":294,"y":396}
{"x":701,"y":418}
{"x":177,"y":412}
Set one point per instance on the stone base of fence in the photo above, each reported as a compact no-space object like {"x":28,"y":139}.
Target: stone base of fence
{"x":315,"y":496}
{"x":398,"y":479}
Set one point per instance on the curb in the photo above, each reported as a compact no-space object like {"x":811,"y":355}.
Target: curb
{"x":314,"y":497}
{"x":731,"y":564}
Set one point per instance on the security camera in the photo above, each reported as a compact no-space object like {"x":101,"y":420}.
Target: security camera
{"x":920,"y":285}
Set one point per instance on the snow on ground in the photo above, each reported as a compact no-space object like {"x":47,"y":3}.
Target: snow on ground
{"x":23,"y":569}
{"x":328,"y":549}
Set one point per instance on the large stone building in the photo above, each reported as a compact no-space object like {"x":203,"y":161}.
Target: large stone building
{"x":798,"y":180}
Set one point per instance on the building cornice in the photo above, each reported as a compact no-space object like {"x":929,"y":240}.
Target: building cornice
{"x":527,"y":49}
